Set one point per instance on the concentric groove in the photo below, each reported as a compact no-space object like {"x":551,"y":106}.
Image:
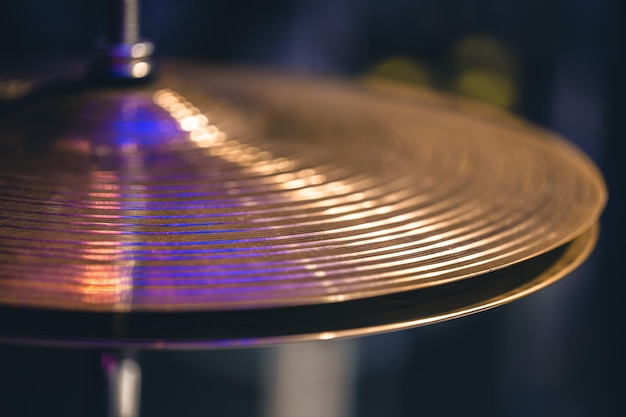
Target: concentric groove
{"x":262,"y":191}
{"x":228,"y":329}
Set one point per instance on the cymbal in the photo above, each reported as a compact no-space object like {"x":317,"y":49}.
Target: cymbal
{"x":244,"y":328}
{"x":223,"y":190}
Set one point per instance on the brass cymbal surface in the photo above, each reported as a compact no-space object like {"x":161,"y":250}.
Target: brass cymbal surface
{"x":244,"y":328}
{"x":221,"y":190}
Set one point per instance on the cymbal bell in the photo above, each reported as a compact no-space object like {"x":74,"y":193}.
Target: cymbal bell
{"x":221,"y":190}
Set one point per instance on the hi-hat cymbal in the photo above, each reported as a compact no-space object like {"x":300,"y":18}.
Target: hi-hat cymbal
{"x":226,"y":329}
{"x":220,"y":190}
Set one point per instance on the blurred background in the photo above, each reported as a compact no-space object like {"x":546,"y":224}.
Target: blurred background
{"x":557,"y":353}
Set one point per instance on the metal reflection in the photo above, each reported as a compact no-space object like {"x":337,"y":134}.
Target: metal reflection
{"x":227,"y":191}
{"x":244,"y":328}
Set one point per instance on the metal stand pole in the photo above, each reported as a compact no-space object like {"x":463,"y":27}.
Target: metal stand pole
{"x":124,"y":22}
{"x":123,"y":376}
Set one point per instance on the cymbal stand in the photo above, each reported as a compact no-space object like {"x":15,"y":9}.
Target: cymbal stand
{"x":123,"y":380}
{"x":122,"y":57}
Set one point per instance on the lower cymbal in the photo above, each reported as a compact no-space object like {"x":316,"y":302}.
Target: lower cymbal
{"x":219,"y":329}
{"x":223,"y":190}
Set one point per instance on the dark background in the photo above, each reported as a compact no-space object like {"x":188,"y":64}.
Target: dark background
{"x":556,"y":353}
